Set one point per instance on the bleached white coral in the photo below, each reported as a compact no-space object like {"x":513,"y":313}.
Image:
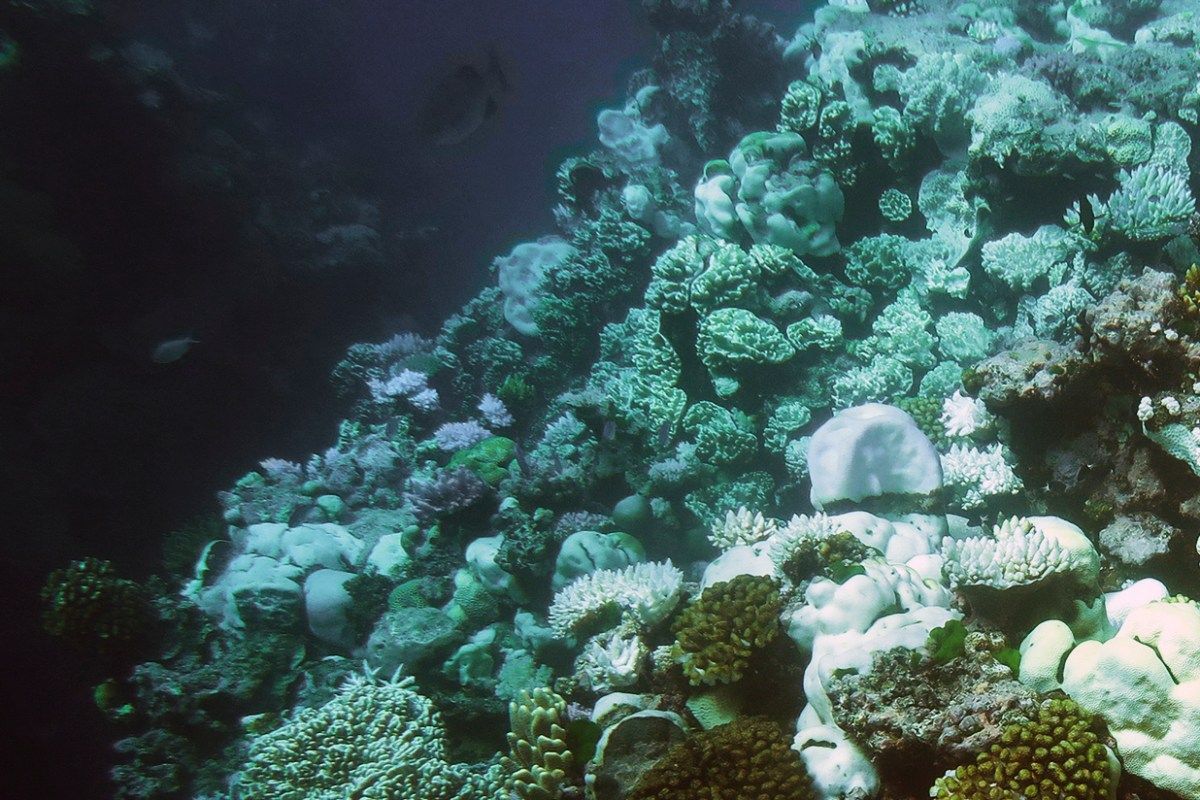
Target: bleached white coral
{"x":1020,"y":552}
{"x":372,"y":741}
{"x":280,"y":470}
{"x":460,"y":435}
{"x":425,"y":400}
{"x":1152,"y":202}
{"x":494,"y":412}
{"x":402,"y":344}
{"x":800,"y":532}
{"x":610,"y":661}
{"x":976,"y":475}
{"x":404,"y":383}
{"x":741,"y":527}
{"x":963,"y":416}
{"x":640,"y":594}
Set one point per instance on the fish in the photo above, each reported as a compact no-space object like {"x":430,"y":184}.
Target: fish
{"x":1087,"y":215}
{"x":461,"y":102}
{"x":519,"y":455}
{"x":609,"y":432}
{"x":664,"y":435}
{"x":171,"y":350}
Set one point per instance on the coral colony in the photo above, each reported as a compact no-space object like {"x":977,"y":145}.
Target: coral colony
{"x":842,"y":441}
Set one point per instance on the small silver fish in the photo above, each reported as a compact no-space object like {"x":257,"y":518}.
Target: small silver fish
{"x":172,"y":350}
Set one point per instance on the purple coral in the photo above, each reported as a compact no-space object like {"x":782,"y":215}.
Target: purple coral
{"x":494,"y":412}
{"x":460,"y":435}
{"x":446,"y":492}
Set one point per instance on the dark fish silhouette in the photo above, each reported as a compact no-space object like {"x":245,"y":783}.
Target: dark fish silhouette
{"x":609,"y":432}
{"x":462,"y":101}
{"x":1087,"y":215}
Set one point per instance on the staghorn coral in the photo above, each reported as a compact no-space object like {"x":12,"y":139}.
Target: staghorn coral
{"x":1056,"y":755}
{"x":538,"y":759}
{"x":748,"y":759}
{"x":716,"y":635}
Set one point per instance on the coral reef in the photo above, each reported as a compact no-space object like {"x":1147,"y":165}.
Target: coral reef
{"x":883,"y":336}
{"x":746,"y":758}
{"x":1054,"y":755}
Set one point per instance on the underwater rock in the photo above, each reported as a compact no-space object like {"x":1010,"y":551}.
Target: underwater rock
{"x":326,"y":603}
{"x":1138,"y":538}
{"x":908,"y":711}
{"x":410,"y":637}
{"x":628,"y":749}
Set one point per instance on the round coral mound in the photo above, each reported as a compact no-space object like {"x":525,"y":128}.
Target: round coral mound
{"x":716,"y":635}
{"x":1056,"y":755}
{"x":749,"y":759}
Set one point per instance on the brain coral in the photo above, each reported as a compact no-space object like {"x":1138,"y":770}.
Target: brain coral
{"x":716,"y":635}
{"x":749,"y":759}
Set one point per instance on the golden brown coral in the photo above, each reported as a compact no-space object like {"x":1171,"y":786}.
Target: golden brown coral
{"x":87,"y":603}
{"x":716,"y":635}
{"x":1056,"y":755}
{"x":748,"y":759}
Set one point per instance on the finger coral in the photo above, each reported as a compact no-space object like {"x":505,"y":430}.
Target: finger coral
{"x":538,"y":758}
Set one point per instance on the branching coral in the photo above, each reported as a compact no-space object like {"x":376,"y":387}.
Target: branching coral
{"x":538,"y":759}
{"x":741,"y":527}
{"x":1055,"y":755}
{"x":641,"y":594}
{"x":376,"y":741}
{"x":716,"y":635}
{"x":747,"y":758}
